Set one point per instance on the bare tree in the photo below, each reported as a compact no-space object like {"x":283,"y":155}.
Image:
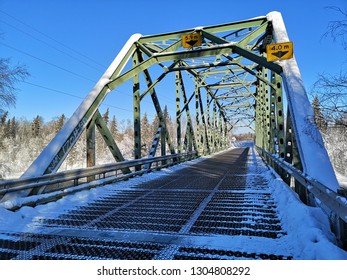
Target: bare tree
{"x":9,"y":76}
{"x":332,"y":88}
{"x":337,"y":29}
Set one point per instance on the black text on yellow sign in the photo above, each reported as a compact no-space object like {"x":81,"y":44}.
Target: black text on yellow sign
{"x":279,"y":51}
{"x":191,"y":40}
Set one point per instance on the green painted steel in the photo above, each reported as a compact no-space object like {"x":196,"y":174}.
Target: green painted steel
{"x":277,"y":116}
{"x":90,"y":143}
{"x":224,"y":86}
{"x":178,"y":113}
{"x":137,"y":110}
{"x":110,"y":142}
{"x":197,"y":117}
{"x":190,"y":135}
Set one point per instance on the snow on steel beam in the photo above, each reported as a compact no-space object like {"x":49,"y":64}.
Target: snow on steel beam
{"x":314,"y":157}
{"x":257,"y":58}
{"x":250,"y":23}
{"x":56,"y":151}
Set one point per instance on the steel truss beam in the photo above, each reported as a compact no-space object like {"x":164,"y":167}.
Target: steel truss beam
{"x":232,"y":87}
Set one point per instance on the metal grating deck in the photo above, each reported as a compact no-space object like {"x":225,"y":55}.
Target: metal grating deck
{"x":217,"y":197}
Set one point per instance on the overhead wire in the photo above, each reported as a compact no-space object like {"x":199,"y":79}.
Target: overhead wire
{"x":55,"y":65}
{"x":51,"y":46}
{"x":52,"y":39}
{"x":78,"y":97}
{"x":45,"y":61}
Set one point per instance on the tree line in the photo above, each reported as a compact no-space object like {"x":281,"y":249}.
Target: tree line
{"x":334,"y":133}
{"x":22,"y":140}
{"x":329,"y":101}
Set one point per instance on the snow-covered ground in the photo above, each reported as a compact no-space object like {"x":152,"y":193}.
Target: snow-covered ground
{"x":309,"y":236}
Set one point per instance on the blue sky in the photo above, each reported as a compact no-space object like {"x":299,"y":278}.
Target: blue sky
{"x":82,"y":37}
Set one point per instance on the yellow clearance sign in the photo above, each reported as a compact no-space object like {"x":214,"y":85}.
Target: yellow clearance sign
{"x":191,"y":40}
{"x":279,"y":51}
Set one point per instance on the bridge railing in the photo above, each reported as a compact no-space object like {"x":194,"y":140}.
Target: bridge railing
{"x":313,"y":192}
{"x":51,"y":187}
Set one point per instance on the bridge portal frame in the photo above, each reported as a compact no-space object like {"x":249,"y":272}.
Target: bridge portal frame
{"x":230,"y":68}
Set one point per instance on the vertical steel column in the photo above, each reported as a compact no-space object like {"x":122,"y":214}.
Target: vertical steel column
{"x":217,"y":130}
{"x":292,"y":154}
{"x":278,"y":114}
{"x":208,"y":124}
{"x":137,"y":112}
{"x":220,"y":132}
{"x":261,"y":106}
{"x":288,"y":157}
{"x":90,"y":146}
{"x":224,"y":135}
{"x":163,"y":134}
{"x":289,"y":140}
{"x":258,"y":114}
{"x":263,"y":112}
{"x":222,"y":140}
{"x":178,"y":114}
{"x":226,"y":140}
{"x":206,"y":146}
{"x":273,"y":149}
{"x":267,"y":134}
{"x":197,"y":117}
{"x":214,"y":125}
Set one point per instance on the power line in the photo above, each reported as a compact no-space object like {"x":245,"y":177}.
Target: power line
{"x":51,"y":46}
{"x":76,"y":96}
{"x":71,"y":72}
{"x":51,"y":38}
{"x":54,"y":90}
{"x":70,"y":94}
{"x":47,"y":62}
{"x":61,"y":68}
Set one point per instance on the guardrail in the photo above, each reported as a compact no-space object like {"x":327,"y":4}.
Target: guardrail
{"x":323,"y":196}
{"x":51,"y":187}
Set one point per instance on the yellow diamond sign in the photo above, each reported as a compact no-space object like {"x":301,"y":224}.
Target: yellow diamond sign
{"x":191,"y":40}
{"x":279,"y":51}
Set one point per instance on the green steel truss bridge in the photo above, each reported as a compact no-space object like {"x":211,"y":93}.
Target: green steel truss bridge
{"x":220,"y":78}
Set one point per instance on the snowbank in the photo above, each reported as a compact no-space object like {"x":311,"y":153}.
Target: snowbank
{"x":307,"y":225}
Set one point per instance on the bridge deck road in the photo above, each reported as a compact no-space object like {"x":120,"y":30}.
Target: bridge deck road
{"x":218,"y":208}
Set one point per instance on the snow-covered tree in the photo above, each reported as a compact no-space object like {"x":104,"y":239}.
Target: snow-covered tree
{"x":106,"y":116}
{"x":146,"y":134}
{"x":332,"y":87}
{"x":59,"y":123}
{"x":36,"y":126}
{"x":319,"y":118}
{"x":113,"y":126}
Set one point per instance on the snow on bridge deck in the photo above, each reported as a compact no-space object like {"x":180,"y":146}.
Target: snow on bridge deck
{"x":228,"y":206}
